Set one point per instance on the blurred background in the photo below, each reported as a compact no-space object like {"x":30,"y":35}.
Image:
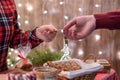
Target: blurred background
{"x":104,"y":43}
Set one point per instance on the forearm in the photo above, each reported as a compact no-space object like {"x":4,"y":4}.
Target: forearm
{"x":110,"y":20}
{"x":33,"y":39}
{"x":20,"y":38}
{"x":23,"y":38}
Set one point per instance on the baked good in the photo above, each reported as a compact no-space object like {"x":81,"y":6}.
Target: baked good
{"x":25,"y":65}
{"x":65,"y":66}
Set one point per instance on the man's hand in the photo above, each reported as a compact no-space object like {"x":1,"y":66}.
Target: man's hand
{"x":46,"y":32}
{"x":80,"y":27}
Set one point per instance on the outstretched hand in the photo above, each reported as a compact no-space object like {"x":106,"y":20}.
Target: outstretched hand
{"x":80,"y":27}
{"x":46,"y":32}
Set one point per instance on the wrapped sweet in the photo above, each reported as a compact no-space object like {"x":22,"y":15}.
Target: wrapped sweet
{"x":24,"y":64}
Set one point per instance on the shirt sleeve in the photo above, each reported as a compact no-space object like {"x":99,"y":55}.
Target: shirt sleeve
{"x":109,"y":20}
{"x":21,"y":38}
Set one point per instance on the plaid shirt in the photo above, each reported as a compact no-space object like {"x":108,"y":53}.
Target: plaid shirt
{"x":10,"y":33}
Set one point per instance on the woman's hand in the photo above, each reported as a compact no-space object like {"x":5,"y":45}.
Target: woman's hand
{"x":46,"y":32}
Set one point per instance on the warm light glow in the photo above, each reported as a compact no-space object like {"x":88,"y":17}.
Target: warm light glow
{"x":53,"y":11}
{"x":45,"y":12}
{"x":29,"y":7}
{"x":18,"y":16}
{"x":80,"y":52}
{"x":16,"y":51}
{"x":100,"y":52}
{"x":12,"y":65}
{"x":19,"y":5}
{"x":66,"y":17}
{"x":80,"y":40}
{"x":12,"y":49}
{"x":8,"y":63}
{"x":19,"y":23}
{"x":80,"y":9}
{"x":9,"y":53}
{"x":26,"y":22}
{"x":61,"y":3}
{"x":8,"y":60}
{"x":97,"y":5}
{"x":118,"y":54}
{"x":61,"y":30}
{"x":97,"y":37}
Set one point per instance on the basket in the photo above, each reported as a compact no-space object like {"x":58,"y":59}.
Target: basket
{"x":104,"y":62}
{"x":87,"y":76}
{"x":94,"y":58}
{"x":84,"y":77}
{"x":69,"y":76}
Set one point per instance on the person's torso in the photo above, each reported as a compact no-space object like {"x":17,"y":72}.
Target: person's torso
{"x":7,"y":9}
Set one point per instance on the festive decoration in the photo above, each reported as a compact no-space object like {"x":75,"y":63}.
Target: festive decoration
{"x":39,"y":57}
{"x":11,"y":61}
{"x":97,"y":5}
{"x":66,"y":50}
{"x":80,"y":52}
{"x":97,"y":37}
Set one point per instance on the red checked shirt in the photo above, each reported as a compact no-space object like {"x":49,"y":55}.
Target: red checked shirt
{"x":10,"y":33}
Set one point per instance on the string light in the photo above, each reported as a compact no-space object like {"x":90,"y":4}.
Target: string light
{"x":100,"y":52}
{"x":12,"y":49}
{"x":29,"y":7}
{"x":118,"y":54}
{"x":45,"y":12}
{"x":12,"y":65}
{"x":9,"y":53}
{"x":19,"y":5}
{"x":80,"y":40}
{"x":80,"y":9}
{"x":8,"y":60}
{"x":97,"y":37}
{"x":80,"y":52}
{"x":18,"y":16}
{"x":19,"y":23}
{"x":8,"y":63}
{"x":97,"y":5}
{"x":61,"y":30}
{"x":61,"y":3}
{"x":26,"y":22}
{"x":16,"y":51}
{"x":66,"y":17}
